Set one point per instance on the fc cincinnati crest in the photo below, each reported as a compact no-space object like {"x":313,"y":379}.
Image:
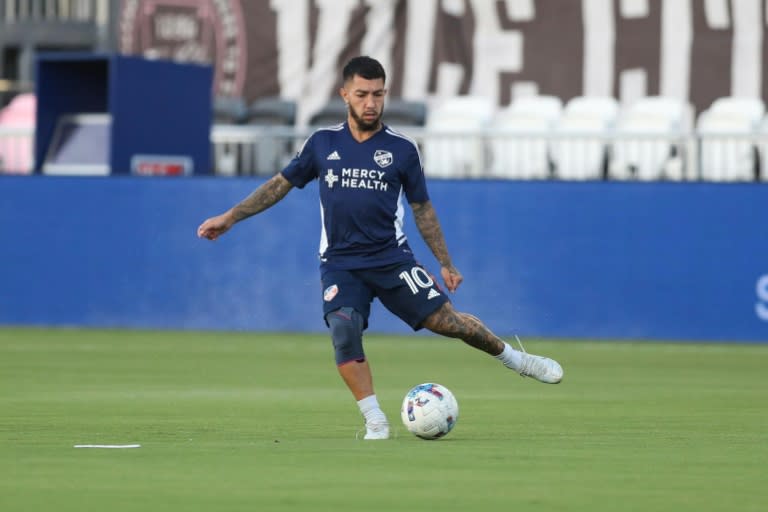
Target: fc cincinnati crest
{"x":330,"y":293}
{"x":383,"y":158}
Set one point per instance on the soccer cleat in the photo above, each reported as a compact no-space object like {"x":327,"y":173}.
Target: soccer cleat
{"x":541,"y":368}
{"x":376,"y":430}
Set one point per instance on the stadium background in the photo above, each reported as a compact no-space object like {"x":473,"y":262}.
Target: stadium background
{"x":650,"y":260}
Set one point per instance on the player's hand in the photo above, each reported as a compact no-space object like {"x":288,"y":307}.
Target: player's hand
{"x":451,"y":277}
{"x":214,"y":227}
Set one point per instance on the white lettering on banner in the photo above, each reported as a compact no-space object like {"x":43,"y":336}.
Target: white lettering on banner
{"x":599,"y":41}
{"x":495,"y":50}
{"x":676,"y":38}
{"x":633,"y":85}
{"x":379,"y":38}
{"x":634,"y":8}
{"x":761,"y":308}
{"x":310,"y":88}
{"x":521,"y":10}
{"x":492,"y":56}
{"x":747,"y":49}
{"x":292,"y":45}
{"x":419,"y":45}
{"x":716,"y":14}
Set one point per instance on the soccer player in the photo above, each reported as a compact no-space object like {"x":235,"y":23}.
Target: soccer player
{"x":365,"y":170}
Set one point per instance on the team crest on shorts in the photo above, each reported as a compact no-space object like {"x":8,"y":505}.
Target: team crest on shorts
{"x":330,"y":293}
{"x":383,"y":158}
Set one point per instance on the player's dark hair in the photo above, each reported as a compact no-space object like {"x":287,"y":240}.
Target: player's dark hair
{"x":364,"y":66}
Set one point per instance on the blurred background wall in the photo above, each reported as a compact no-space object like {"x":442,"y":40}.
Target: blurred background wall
{"x":618,"y":260}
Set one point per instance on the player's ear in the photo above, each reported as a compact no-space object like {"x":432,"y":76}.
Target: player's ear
{"x":343,"y":94}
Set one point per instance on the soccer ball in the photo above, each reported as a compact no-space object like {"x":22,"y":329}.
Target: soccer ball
{"x":429,"y":411}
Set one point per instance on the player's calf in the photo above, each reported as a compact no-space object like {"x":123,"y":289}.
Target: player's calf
{"x":468,"y":328}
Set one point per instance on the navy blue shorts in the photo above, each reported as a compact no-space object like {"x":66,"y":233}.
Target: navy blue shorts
{"x":405,"y":289}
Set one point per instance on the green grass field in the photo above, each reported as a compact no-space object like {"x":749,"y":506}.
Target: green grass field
{"x":259,"y":422}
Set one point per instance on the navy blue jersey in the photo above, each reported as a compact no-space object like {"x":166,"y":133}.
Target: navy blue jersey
{"x":362,"y":185}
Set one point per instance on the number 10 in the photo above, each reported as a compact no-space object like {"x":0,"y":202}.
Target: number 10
{"x":417,"y":278}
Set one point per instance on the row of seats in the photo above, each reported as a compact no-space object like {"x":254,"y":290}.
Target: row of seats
{"x":274,"y":111}
{"x":540,"y":137}
{"x":593,"y":138}
{"x":536,"y":137}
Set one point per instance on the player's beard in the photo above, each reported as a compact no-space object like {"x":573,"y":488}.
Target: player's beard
{"x":363,"y":125}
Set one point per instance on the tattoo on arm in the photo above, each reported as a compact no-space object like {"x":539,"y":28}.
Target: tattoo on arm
{"x":262,"y":198}
{"x":429,"y":227}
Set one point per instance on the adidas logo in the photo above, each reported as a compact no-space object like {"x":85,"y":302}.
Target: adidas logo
{"x":432,"y":294}
{"x":334,"y":156}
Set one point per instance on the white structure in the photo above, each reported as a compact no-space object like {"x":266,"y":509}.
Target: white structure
{"x":727,"y":132}
{"x":579,"y":150}
{"x":457,"y":149}
{"x":650,"y":140}
{"x":520,"y":138}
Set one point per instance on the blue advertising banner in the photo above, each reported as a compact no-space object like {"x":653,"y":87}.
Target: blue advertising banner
{"x":583,"y":260}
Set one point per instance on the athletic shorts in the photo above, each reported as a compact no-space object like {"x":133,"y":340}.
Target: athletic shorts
{"x":405,"y":289}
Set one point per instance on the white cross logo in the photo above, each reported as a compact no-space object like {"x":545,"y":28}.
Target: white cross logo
{"x":331,"y":178}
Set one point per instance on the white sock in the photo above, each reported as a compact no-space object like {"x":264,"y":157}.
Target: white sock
{"x":510,"y":357}
{"x":369,"y":406}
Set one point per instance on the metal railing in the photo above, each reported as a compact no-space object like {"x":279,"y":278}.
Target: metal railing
{"x":248,"y":150}
{"x":13,"y":11}
{"x":239,"y":150}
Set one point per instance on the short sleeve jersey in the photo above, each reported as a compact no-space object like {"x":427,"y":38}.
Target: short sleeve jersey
{"x":362,"y":185}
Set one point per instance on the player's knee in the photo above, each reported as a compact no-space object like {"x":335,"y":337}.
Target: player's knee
{"x":346,"y":326}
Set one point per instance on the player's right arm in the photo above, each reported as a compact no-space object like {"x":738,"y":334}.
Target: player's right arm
{"x":267,"y":195}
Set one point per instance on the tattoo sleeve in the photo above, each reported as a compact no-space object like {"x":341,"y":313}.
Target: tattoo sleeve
{"x":429,"y":227}
{"x":262,"y":198}
{"x":449,"y":322}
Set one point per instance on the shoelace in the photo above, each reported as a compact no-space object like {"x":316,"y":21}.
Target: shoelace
{"x":527,"y":360}
{"x":521,"y":344}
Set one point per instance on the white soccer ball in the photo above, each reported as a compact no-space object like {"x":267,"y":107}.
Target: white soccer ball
{"x":429,"y":411}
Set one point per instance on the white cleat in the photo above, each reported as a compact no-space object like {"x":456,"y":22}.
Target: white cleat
{"x":374,"y":431}
{"x":541,"y":368}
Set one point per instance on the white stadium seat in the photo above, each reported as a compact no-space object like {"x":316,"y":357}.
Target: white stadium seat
{"x":752,"y":109}
{"x":726,"y":131}
{"x":546,"y":107}
{"x":454,"y":148}
{"x":658,"y":123}
{"x":579,"y":148}
{"x":520,"y":140}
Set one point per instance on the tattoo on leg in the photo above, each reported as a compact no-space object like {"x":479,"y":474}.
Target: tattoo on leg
{"x":449,"y":322}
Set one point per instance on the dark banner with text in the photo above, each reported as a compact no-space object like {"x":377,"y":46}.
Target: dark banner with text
{"x":693,"y":50}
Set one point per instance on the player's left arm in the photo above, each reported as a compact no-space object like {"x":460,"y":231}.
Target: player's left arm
{"x":429,"y":226}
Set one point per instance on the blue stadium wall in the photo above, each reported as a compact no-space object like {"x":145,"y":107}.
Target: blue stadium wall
{"x":583,"y":260}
